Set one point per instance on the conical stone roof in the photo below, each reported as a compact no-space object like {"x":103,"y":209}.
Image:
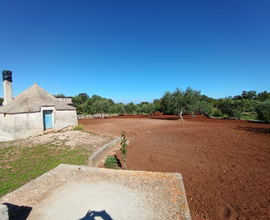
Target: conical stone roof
{"x":32,"y":99}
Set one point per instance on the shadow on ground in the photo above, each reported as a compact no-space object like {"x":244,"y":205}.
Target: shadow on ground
{"x":90,"y":215}
{"x":18,"y":212}
{"x":169,"y":118}
{"x":255,"y":130}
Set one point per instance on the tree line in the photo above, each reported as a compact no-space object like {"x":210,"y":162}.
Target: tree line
{"x":192,"y":102}
{"x":179,"y":102}
{"x":96,"y":104}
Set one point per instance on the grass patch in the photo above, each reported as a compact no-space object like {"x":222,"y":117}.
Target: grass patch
{"x":248,"y":115}
{"x":89,"y":132}
{"x":245,"y":115}
{"x":221,"y":116}
{"x":78,"y":127}
{"x":19,"y":165}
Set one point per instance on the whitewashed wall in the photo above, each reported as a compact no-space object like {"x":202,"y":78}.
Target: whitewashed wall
{"x":14,"y":126}
{"x":65,"y":118}
{"x":28,"y":124}
{"x":7,"y":125}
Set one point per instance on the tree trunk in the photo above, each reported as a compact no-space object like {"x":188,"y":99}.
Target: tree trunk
{"x":180,"y":115}
{"x":193,"y":114}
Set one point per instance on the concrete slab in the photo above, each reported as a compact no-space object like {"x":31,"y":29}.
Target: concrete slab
{"x":80,"y":192}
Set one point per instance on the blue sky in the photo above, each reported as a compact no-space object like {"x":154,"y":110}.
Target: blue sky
{"x":135,"y":50}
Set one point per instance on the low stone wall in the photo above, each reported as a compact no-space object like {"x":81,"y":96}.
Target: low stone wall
{"x":233,"y":118}
{"x":91,"y":116}
{"x":96,"y":158}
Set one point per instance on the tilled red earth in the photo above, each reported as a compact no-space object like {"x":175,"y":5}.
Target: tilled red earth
{"x":224,"y":163}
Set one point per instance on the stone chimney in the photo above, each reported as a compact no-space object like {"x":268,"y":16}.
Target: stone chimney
{"x":7,"y":84}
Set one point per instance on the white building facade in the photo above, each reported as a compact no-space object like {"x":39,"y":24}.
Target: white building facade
{"x":32,"y":112}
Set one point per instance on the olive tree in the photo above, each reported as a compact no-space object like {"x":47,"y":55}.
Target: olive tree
{"x":138,"y":109}
{"x":263,"y":96}
{"x":233,"y":108}
{"x":150,"y":108}
{"x":167,"y":104}
{"x":204,"y":108}
{"x":263,"y":111}
{"x":101,"y":106}
{"x":180,"y":102}
{"x":186,"y":101}
{"x":130,"y":108}
{"x":119,"y":108}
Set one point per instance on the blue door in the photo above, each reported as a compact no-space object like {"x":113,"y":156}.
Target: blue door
{"x":47,"y":117}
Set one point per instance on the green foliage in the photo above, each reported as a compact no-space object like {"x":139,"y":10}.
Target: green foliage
{"x":249,"y":115}
{"x":78,"y":127}
{"x":77,"y":103}
{"x":233,"y":108}
{"x":183,"y":101}
{"x":138,"y":109}
{"x":237,"y":97}
{"x":188,"y":101}
{"x":167,"y":103}
{"x":101,"y":106}
{"x":123,"y":148}
{"x":263,"y":111}
{"x":83,"y":96}
{"x":85,"y":104}
{"x":203,"y":107}
{"x":1,"y":101}
{"x":111,"y":101}
{"x":152,"y":108}
{"x":252,"y":95}
{"x":217,"y":113}
{"x":208,"y":99}
{"x":149,"y":108}
{"x":145,"y":108}
{"x":157,"y":106}
{"x":110,"y":162}
{"x":156,"y":101}
{"x":142,"y":103}
{"x":60,"y":96}
{"x":249,"y":95}
{"x":263,"y":96}
{"x":130,"y":108}
{"x":119,"y":108}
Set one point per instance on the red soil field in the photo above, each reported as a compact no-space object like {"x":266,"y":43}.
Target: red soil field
{"x":224,"y":163}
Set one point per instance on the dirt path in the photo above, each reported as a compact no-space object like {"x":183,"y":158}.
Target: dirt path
{"x":224,"y":163}
{"x":74,"y":139}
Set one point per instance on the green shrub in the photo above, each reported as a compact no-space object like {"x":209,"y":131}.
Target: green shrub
{"x":263,"y":111}
{"x":217,"y":112}
{"x":123,"y":148}
{"x":110,"y":162}
{"x":78,"y":127}
{"x":238,"y":114}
